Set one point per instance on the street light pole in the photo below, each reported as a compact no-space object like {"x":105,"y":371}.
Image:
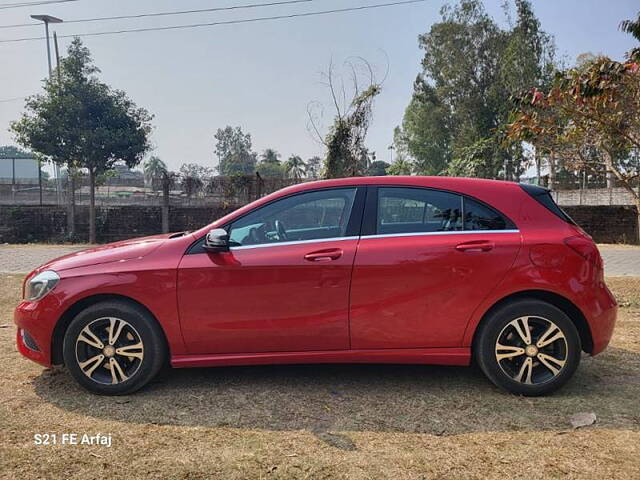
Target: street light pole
{"x":47,"y":19}
{"x":46,"y":30}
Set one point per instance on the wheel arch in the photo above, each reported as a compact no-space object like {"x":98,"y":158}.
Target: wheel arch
{"x":557,"y":300}
{"x":65,"y":319}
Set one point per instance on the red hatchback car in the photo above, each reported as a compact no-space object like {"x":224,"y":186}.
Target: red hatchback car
{"x":428,"y":270}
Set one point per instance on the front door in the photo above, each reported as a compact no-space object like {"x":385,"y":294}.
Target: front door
{"x":283,"y":286}
{"x":421,"y":269}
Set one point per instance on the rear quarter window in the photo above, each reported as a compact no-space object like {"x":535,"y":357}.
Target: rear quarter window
{"x":543,"y":197}
{"x":481,"y":217}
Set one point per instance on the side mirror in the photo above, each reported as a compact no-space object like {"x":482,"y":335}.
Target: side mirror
{"x":217,"y":240}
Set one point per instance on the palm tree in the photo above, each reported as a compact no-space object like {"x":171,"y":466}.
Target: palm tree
{"x":295,"y":167}
{"x":270,"y":156}
{"x":269,"y":165}
{"x":154,"y":169}
{"x":632,"y":27}
{"x":400,"y":167}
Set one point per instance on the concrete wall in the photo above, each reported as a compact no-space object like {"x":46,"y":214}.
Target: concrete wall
{"x":593,"y":196}
{"x":26,"y":223}
{"x":607,"y":224}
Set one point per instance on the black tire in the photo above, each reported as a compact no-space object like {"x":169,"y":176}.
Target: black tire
{"x":140,"y":341}
{"x":537,"y":377}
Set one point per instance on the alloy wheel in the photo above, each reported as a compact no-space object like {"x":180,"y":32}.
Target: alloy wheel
{"x":531,"y":350}
{"x":109,"y":350}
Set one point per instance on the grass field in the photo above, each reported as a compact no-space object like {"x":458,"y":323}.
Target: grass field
{"x":372,"y":421}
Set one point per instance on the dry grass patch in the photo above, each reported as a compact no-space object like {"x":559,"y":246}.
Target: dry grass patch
{"x":327,"y":421}
{"x":626,"y":291}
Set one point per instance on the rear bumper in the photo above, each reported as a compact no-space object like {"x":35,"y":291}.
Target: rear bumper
{"x":601,"y":316}
{"x":36,"y":321}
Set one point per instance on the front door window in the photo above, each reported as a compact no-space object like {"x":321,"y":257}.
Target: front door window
{"x":308,"y":216}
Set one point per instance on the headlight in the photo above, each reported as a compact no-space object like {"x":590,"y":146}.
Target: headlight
{"x":38,"y":286}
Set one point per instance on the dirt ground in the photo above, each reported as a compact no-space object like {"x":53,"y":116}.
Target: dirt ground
{"x":405,"y":422}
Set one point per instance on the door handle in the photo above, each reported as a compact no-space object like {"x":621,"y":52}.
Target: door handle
{"x":475,"y":246}
{"x":324,"y":255}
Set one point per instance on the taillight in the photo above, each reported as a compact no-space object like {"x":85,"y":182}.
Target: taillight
{"x":585,"y":248}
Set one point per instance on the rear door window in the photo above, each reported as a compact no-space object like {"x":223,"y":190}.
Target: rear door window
{"x":402,"y":210}
{"x":417,"y":210}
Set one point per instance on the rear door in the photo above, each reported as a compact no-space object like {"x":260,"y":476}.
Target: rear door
{"x":426,"y":259}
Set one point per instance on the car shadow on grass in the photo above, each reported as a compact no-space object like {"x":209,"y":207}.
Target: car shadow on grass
{"x":391,"y":398}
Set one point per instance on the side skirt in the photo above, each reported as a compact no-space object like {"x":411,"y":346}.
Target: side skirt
{"x":427,"y":356}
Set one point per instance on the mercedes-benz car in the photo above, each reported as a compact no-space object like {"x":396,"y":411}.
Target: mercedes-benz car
{"x":420,"y":270}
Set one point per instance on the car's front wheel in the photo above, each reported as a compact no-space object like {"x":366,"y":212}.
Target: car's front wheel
{"x":114,"y":348}
{"x":528,"y":347}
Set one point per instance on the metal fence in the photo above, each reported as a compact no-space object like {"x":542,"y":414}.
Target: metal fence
{"x":213,"y":191}
{"x":243,"y":189}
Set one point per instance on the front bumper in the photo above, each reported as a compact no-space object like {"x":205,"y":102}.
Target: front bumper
{"x":36,"y":322}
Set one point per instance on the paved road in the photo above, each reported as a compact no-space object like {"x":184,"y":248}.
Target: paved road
{"x":24,"y":258}
{"x":623,"y":261}
{"x":619,"y":261}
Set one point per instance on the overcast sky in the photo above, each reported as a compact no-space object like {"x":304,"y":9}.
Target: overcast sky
{"x":262,"y":76}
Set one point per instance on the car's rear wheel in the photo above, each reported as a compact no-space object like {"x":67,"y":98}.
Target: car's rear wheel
{"x":114,"y":348}
{"x":528,"y":347}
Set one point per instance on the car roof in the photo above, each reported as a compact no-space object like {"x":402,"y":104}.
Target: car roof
{"x":461,"y":184}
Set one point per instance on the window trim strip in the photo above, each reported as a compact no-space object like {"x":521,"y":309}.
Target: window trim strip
{"x":364,"y":237}
{"x":452,"y":232}
{"x":295,"y":242}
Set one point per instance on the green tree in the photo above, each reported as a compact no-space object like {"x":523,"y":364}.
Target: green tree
{"x":401,"y":166}
{"x":475,"y":160}
{"x":378,"y":168}
{"x":346,"y":153}
{"x":314,"y":167}
{"x":592,"y":116}
{"x":193,"y":178}
{"x":84,"y":123}
{"x":461,"y":103}
{"x":425,"y":134}
{"x":233,"y":149}
{"x":269,"y":164}
{"x":154,"y":171}
{"x":345,"y":141}
{"x":295,"y":167}
{"x":528,"y":60}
